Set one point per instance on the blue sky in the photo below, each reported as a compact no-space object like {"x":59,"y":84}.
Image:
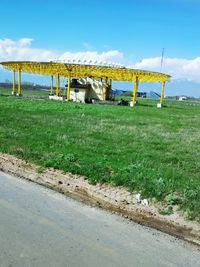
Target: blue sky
{"x":136,"y":30}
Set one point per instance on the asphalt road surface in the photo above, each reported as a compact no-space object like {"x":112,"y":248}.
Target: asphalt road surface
{"x":39,"y":227}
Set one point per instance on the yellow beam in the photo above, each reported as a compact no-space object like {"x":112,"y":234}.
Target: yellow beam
{"x":162,"y":93}
{"x":68,"y":88}
{"x":14,"y":84}
{"x":135,"y":88}
{"x":19,"y":82}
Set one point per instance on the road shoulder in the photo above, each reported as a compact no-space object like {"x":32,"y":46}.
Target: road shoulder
{"x":114,"y":199}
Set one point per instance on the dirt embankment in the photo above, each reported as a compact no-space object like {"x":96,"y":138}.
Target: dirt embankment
{"x":114,"y":199}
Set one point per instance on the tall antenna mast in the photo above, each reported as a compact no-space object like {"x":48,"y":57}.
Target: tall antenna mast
{"x":162,"y":58}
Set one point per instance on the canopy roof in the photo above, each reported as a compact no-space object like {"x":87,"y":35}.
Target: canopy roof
{"x":75,"y":70}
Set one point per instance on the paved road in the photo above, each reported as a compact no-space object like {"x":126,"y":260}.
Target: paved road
{"x":39,"y":227}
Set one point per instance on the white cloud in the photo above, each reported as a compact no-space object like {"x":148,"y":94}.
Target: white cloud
{"x":25,"y":41}
{"x":178,"y":68}
{"x":22,"y":50}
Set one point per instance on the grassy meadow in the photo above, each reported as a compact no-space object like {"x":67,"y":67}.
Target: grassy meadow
{"x":154,"y":151}
{"x":25,"y":92}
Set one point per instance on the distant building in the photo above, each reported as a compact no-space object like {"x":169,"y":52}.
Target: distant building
{"x":151,"y":94}
{"x":181,"y":98}
{"x":142,"y":94}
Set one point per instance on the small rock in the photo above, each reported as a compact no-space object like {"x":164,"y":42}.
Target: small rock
{"x":138,"y":198}
{"x":145,"y":202}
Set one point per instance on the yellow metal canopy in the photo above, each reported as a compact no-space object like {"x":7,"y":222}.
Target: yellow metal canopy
{"x":84,"y":70}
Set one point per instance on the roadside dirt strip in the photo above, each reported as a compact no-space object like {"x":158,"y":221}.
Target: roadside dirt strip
{"x":114,"y":199}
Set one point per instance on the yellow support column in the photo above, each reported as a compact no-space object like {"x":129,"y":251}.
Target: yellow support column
{"x":57,"y":85}
{"x":163,"y":93}
{"x":19,"y":83}
{"x":159,"y":105}
{"x":14,"y":84}
{"x":135,"y":88}
{"x":68,"y":89}
{"x":51,"y":91}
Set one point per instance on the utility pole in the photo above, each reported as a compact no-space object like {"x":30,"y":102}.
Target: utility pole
{"x":162,"y":58}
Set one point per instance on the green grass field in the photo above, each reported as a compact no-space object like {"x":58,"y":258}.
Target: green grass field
{"x":26,"y":92}
{"x":155,"y":151}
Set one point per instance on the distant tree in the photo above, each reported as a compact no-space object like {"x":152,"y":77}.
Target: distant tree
{"x":127,"y":93}
{"x":28,"y":83}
